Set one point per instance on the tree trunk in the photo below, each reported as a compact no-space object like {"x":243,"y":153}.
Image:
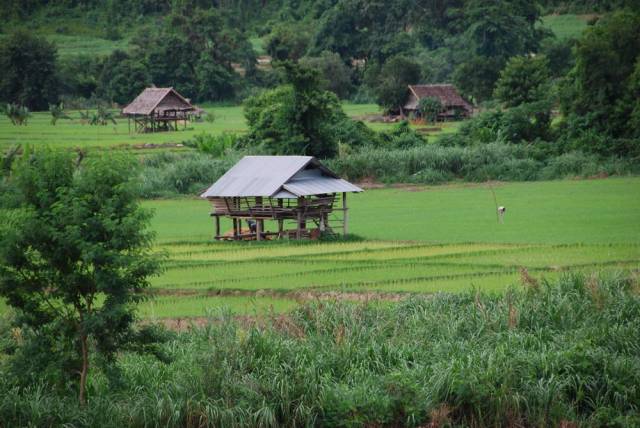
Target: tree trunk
{"x":85,"y":368}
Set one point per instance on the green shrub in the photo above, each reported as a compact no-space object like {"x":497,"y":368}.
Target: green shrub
{"x":539,"y":355}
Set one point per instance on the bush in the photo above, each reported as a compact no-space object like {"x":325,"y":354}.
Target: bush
{"x":544,"y":354}
{"x":168,"y":174}
{"x":434,"y":163}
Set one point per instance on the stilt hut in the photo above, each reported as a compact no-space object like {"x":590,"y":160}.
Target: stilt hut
{"x":158,"y":109}
{"x":280,"y":197}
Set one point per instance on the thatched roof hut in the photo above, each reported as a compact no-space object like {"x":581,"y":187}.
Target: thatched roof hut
{"x":294,"y":189}
{"x":158,"y":109}
{"x":454,"y":106}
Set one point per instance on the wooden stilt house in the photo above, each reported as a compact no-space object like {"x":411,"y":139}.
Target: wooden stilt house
{"x":280,"y":197}
{"x":159,"y":109}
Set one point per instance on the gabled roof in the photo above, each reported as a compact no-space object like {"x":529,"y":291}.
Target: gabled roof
{"x":279,"y":177}
{"x":150,"y":98}
{"x":447,"y":94}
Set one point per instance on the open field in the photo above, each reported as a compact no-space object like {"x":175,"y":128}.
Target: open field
{"x":566,"y":26}
{"x":414,"y":245}
{"x":73,"y":134}
{"x":415,"y":240}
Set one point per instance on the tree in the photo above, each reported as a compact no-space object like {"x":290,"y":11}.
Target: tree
{"x":430,"y":108}
{"x":599,"y":89}
{"x":390,"y":84}
{"x":287,"y":41}
{"x":28,"y":76}
{"x":76,"y":257}
{"x":524,"y":80}
{"x":496,"y":31}
{"x":335,"y":75}
{"x":122,"y":78}
{"x":296,"y":118}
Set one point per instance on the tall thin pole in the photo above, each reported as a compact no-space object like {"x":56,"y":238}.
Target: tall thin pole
{"x":345,"y":213}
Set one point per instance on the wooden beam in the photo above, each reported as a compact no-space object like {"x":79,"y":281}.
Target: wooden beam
{"x":258,"y":230}
{"x":217,"y":225}
{"x":345,"y":214}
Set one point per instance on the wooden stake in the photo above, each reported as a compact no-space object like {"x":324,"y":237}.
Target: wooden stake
{"x":345,"y":211}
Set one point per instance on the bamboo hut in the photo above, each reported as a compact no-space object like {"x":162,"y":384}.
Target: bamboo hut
{"x":291,"y":197}
{"x":159,"y":109}
{"x":454,"y":107}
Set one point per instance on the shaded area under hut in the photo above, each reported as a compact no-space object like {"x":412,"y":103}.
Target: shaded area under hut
{"x":159,"y":109}
{"x":291,"y":197}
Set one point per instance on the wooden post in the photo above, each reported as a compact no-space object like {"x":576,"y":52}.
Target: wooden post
{"x":345,"y":214}
{"x":258,"y":230}
{"x":129,"y":124}
{"x":217,"y":226}
{"x":280,"y":221}
{"x":299,"y":226}
{"x":235,"y":229}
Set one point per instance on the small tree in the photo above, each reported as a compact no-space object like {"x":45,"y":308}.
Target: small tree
{"x":18,"y":115}
{"x":390,"y":85}
{"x":523,"y":81}
{"x":430,"y":108}
{"x":76,"y":256}
{"x":57,"y":113}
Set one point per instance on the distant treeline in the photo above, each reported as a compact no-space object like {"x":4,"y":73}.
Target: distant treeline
{"x":203,"y":48}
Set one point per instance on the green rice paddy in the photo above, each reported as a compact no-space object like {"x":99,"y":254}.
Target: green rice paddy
{"x":74,"y":134}
{"x":417,"y":240}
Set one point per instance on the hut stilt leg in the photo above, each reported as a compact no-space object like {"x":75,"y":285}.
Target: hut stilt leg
{"x":259,"y":230}
{"x":345,"y":213}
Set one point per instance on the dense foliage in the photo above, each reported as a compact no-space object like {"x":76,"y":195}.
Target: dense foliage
{"x":74,"y":258}
{"x":559,"y":354}
{"x":28,"y":71}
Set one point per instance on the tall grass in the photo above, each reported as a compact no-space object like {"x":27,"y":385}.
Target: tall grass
{"x":436,"y":164}
{"x":539,"y":355}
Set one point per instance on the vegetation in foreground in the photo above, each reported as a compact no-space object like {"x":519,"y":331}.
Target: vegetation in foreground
{"x":538,"y":355}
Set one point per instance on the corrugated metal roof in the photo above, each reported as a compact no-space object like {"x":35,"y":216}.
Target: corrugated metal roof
{"x":270,"y":175}
{"x":320,"y":185}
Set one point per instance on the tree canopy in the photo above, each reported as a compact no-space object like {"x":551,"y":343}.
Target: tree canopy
{"x":74,"y":258}
{"x":28,"y":76}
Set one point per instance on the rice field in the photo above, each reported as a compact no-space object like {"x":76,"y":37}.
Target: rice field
{"x":74,"y":134}
{"x":409,"y":245}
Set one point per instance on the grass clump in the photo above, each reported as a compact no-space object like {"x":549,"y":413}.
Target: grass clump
{"x":543,"y":355}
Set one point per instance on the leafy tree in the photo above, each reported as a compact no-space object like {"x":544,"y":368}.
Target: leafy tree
{"x":523,"y":80}
{"x":76,"y":257}
{"x":57,"y":113}
{"x":390,"y":84}
{"x":430,"y":108}
{"x":295,"y":118}
{"x":496,"y":31}
{"x":476,"y":77}
{"x":215,"y":82}
{"x":18,"y":115}
{"x":122,"y":78}
{"x":79,"y":74}
{"x":335,"y":75}
{"x":601,"y":89}
{"x":28,"y":76}
{"x":287,"y":41}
